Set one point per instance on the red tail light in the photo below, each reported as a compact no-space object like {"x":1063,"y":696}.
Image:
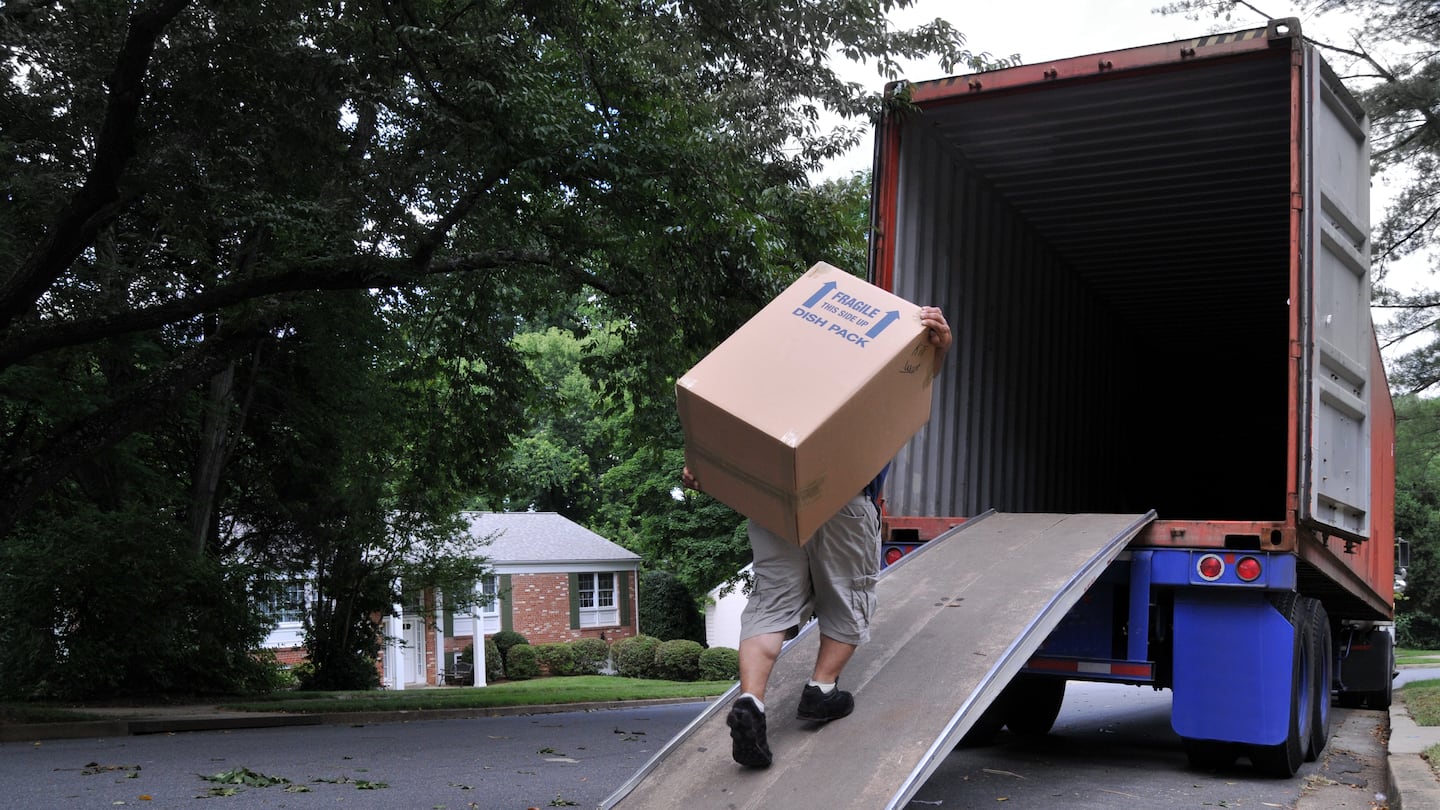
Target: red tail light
{"x":1248,"y":569}
{"x":1210,"y":567}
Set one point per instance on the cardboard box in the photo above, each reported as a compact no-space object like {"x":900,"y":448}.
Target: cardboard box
{"x":796,"y":412}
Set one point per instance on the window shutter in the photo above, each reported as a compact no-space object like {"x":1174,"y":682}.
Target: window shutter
{"x":574,"y":601}
{"x":507,"y":605}
{"x":622,"y":597}
{"x":448,"y":622}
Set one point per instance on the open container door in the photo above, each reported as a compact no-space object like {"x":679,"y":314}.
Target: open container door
{"x":1335,"y":490}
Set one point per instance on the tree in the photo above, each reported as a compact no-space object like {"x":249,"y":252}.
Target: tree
{"x":230,"y":229}
{"x":1417,"y":517}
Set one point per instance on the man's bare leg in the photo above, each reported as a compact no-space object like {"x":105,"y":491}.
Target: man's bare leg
{"x":830,"y":660}
{"x":757,"y":658}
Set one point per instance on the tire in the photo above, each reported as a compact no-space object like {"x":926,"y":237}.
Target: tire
{"x":1210,"y":755}
{"x":984,"y":731}
{"x":1034,"y":703}
{"x":1285,"y":758}
{"x":1323,"y":656}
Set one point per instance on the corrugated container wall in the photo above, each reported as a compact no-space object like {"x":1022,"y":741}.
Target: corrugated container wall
{"x":1113,"y":253}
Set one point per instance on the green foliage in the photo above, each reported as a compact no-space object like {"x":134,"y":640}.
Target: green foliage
{"x":678,"y":660}
{"x":719,"y":664}
{"x":292,"y":337}
{"x":494,"y":661}
{"x":1417,"y":518}
{"x":505,"y":639}
{"x":136,"y":614}
{"x":591,"y":655}
{"x":521,"y":663}
{"x":634,"y":656}
{"x":558,"y":658}
{"x":667,"y":608}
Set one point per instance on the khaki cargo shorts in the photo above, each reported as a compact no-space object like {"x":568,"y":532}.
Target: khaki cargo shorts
{"x":832,"y":577}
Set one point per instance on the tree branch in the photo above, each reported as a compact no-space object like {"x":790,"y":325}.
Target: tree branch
{"x":336,"y":273}
{"x":24,"y":480}
{"x":93,"y":205}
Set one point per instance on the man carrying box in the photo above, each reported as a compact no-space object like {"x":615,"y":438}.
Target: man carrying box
{"x":833,"y":574}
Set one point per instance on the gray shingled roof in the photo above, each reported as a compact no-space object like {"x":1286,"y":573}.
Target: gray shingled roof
{"x":542,"y":537}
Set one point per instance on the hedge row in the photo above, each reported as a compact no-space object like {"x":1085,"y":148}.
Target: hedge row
{"x":509,"y":656}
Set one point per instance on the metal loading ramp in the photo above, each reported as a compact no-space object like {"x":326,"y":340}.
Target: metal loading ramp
{"x":957,"y":619}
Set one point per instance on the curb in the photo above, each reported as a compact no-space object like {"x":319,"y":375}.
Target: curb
{"x":1412,"y":782}
{"x":36,"y":732}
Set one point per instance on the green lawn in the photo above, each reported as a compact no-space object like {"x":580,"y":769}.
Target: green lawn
{"x":1404,"y":656}
{"x":1422,"y":700}
{"x":537,"y":692}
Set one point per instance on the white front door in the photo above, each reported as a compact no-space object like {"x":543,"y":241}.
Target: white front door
{"x":412,"y":651}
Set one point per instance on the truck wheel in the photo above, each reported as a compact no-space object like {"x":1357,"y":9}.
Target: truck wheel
{"x":1034,"y":704}
{"x":1323,"y":655}
{"x":1284,"y":759}
{"x":984,"y":731}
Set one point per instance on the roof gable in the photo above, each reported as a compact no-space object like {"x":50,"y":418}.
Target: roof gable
{"x":542,"y":537}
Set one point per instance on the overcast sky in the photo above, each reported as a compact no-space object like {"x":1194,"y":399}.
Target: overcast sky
{"x":1039,"y":30}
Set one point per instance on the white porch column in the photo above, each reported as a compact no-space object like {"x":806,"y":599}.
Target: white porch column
{"x":440,"y":663}
{"x":477,"y":644}
{"x":393,"y":663}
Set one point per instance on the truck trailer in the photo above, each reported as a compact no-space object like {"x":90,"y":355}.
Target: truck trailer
{"x":1161,"y":452}
{"x":1156,"y":265}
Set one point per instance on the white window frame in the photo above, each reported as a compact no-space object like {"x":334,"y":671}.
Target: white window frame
{"x":287,"y":607}
{"x":597,"y":599}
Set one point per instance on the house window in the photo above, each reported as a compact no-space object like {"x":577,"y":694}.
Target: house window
{"x":597,"y":600}
{"x":288,"y":605}
{"x":490,"y":587}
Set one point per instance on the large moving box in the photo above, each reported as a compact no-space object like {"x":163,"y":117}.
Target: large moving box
{"x":796,"y":412}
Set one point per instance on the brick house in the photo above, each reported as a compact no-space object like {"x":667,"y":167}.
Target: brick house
{"x":552,"y":579}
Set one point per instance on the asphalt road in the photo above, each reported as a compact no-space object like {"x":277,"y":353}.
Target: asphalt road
{"x":1112,"y":747}
{"x":499,"y":763}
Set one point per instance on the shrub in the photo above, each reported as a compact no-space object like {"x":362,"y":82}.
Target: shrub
{"x":667,"y":608}
{"x":635,"y":656}
{"x":590,"y":655}
{"x":504,"y":640}
{"x":720,"y":664}
{"x":557,"y":658}
{"x":678,"y":660}
{"x":521,"y":663}
{"x":494,"y":662}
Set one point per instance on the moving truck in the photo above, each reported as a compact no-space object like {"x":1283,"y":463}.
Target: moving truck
{"x":1156,"y":264}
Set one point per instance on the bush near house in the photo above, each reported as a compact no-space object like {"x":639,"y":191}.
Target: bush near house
{"x":494,"y":663}
{"x":504,"y":640}
{"x":556,"y":658}
{"x":668,"y":610}
{"x":521,"y":663}
{"x":720,"y":664}
{"x":635,"y":656}
{"x":591,"y":655}
{"x":678,"y":660}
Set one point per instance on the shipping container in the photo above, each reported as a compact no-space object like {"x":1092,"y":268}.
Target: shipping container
{"x":1155,"y":262}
